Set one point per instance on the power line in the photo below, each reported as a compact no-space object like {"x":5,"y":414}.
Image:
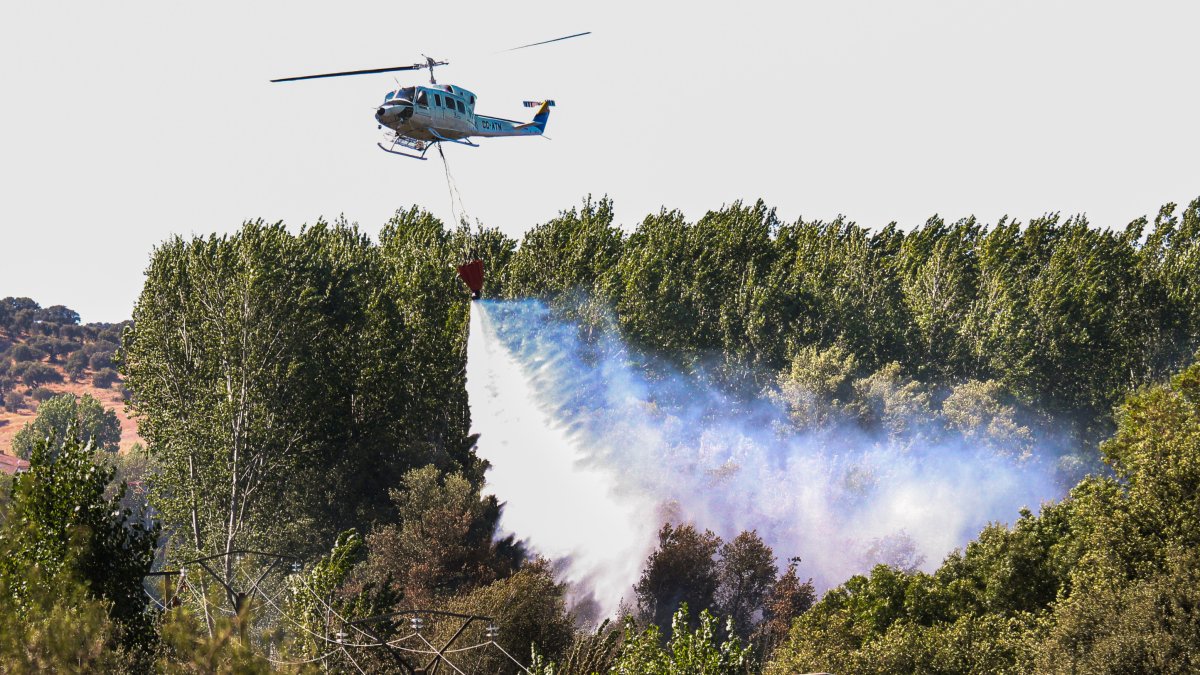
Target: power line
{"x":332,"y":610}
{"x":314,"y":634}
{"x":510,"y":658}
{"x":353,"y":661}
{"x":298,"y":663}
{"x":440,"y":656}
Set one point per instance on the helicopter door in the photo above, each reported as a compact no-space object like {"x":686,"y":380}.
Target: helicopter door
{"x":435,"y":106}
{"x":421,"y":102}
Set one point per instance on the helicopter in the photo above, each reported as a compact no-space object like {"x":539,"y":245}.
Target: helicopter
{"x":419,"y":117}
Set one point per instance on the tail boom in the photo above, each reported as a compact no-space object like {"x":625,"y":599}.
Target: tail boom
{"x":498,"y":126}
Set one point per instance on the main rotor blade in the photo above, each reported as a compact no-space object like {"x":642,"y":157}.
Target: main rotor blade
{"x":546,"y":42}
{"x":416,"y":66}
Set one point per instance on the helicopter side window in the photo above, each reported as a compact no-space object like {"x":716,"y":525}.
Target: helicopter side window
{"x":437,"y":99}
{"x":461,"y":109}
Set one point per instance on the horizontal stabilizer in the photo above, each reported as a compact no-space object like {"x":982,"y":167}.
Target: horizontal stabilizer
{"x":534,"y":104}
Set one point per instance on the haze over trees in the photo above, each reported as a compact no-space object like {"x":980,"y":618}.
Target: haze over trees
{"x":302,"y":393}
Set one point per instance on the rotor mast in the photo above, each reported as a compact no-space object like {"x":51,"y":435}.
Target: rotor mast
{"x":431,"y":64}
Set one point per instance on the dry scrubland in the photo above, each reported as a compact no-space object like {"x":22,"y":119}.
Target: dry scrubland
{"x":12,"y":420}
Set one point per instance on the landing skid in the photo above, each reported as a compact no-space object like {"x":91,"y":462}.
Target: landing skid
{"x":421,"y":156}
{"x":409,"y":143}
{"x":415,"y":145}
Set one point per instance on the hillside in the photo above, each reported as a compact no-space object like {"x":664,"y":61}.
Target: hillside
{"x":45,"y":352}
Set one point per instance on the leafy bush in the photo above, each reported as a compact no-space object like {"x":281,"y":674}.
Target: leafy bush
{"x":701,"y":652}
{"x":23,"y":353}
{"x":104,"y":378}
{"x":101,"y":360}
{"x":40,"y":394}
{"x":71,"y":332}
{"x":75,"y":365}
{"x":112,"y":334}
{"x":14,"y":401}
{"x":35,"y":374}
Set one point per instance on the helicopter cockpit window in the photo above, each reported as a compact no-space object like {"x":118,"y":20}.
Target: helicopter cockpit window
{"x":390,"y":96}
{"x":422,"y":99}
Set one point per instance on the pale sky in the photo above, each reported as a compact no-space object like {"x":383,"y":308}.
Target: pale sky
{"x":124,"y":123}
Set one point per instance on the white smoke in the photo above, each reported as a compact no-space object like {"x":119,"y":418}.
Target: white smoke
{"x":590,"y":453}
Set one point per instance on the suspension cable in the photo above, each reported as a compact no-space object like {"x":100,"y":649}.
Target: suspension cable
{"x":458,"y":208}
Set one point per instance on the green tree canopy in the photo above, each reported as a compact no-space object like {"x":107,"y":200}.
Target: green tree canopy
{"x":683,"y":569}
{"x":94,"y":424}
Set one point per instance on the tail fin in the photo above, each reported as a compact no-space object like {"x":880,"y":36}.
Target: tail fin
{"x":543,"y":113}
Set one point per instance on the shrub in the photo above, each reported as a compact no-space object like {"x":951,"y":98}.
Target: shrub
{"x":52,"y":346}
{"x":22,"y":353}
{"x":112,"y":334}
{"x":104,"y":378}
{"x":65,"y":346}
{"x":35,"y":374}
{"x":101,"y":360}
{"x":71,"y":332}
{"x":76,"y":364}
{"x":41,"y":394}
{"x":14,"y":401}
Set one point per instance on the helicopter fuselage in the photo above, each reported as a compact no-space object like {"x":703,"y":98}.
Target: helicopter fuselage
{"x":445,"y":112}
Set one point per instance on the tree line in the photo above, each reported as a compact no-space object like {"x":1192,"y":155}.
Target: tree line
{"x":1065,"y":316}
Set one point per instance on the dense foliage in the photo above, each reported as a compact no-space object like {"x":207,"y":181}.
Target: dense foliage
{"x":301,"y":374}
{"x":302,"y":395}
{"x":64,"y":540}
{"x":1065,"y":316}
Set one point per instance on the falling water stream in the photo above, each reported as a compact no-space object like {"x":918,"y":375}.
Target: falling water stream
{"x":590,"y":453}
